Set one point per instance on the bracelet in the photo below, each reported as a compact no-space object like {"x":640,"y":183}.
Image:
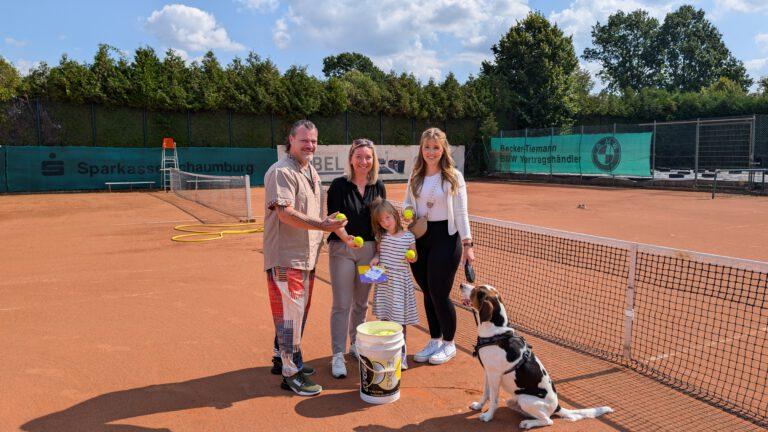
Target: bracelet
{"x":468,"y":244}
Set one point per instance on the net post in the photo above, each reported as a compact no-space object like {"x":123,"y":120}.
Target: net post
{"x":629,"y":310}
{"x":248,"y":212}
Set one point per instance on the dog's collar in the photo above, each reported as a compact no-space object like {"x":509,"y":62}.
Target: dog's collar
{"x":496,"y":340}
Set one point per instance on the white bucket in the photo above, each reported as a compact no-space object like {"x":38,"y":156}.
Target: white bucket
{"x":379,"y":348}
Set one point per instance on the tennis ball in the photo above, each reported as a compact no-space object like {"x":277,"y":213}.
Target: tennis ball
{"x":340,"y":216}
{"x":408,"y":213}
{"x":410,"y":254}
{"x":359,"y":241}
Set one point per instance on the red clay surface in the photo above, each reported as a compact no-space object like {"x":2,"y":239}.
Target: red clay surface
{"x":107,"y":325}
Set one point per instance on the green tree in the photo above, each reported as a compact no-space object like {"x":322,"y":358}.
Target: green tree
{"x":304,"y":92}
{"x":403,"y":93}
{"x":175,"y":82}
{"x":625,"y":48}
{"x":74,"y":82}
{"x":334,"y":100}
{"x":762,"y":85}
{"x":255,"y":86}
{"x":35,"y":83}
{"x":694,"y":54}
{"x":454,"y":97}
{"x":365,"y":95}
{"x":581,"y":86}
{"x":432,"y":102}
{"x":531,"y":73}
{"x":146,"y":81}
{"x":10,"y":80}
{"x":339,"y":65}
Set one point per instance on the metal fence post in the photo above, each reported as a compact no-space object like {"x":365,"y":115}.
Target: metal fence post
{"x":581,"y":170}
{"x":696,"y":155}
{"x":37,"y":121}
{"x":653,"y":154}
{"x":525,"y":153}
{"x":613,"y":176}
{"x":271,"y":130}
{"x":144,"y":125}
{"x":551,"y":140}
{"x":189,"y":129}
{"x":229,"y":126}
{"x":93,"y":124}
{"x":346,"y":127}
{"x":752,"y":131}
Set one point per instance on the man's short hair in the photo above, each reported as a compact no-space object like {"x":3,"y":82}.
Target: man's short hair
{"x":308,"y":125}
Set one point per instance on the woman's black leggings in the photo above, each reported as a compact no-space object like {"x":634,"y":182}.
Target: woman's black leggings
{"x":439,"y":255}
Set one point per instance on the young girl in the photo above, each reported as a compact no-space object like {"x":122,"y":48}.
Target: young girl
{"x":393,"y":300}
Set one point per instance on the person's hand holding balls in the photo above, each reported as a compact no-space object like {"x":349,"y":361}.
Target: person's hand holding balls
{"x":410,"y":256}
{"x":408,"y":214}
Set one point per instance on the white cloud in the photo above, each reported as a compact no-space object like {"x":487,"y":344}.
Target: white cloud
{"x":15,"y":43}
{"x":743,"y":6}
{"x":404,"y":35}
{"x":189,"y":28}
{"x":577,"y":20}
{"x":280,"y":34}
{"x":762,"y":40}
{"x":260,"y":5}
{"x":423,"y":63}
{"x":24,"y":66}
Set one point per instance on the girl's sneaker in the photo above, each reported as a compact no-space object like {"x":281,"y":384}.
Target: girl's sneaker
{"x":432,"y":347}
{"x":404,"y":364}
{"x":446,"y":352}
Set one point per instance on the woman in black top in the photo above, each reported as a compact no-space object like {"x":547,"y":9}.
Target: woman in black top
{"x":352,"y":195}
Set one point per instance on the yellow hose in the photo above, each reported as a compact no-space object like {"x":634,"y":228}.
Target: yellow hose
{"x":207,"y":232}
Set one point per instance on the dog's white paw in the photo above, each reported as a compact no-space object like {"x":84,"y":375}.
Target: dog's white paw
{"x":527,"y":424}
{"x":486,"y":416}
{"x":475,"y":406}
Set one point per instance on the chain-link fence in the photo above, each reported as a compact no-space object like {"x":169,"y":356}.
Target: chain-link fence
{"x":48,"y":123}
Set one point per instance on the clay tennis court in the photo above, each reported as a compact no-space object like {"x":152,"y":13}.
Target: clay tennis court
{"x":107,"y":325}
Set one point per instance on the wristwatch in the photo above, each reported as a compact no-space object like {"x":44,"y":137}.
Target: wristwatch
{"x":467,"y":243}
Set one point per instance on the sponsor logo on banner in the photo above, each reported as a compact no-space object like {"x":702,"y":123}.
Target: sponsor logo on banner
{"x":395,"y":162}
{"x":52,"y":167}
{"x":606,"y":154}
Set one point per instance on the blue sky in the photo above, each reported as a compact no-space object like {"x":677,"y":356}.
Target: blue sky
{"x":426,"y":37}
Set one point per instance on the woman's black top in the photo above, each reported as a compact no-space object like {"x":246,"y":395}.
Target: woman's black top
{"x":344,"y":197}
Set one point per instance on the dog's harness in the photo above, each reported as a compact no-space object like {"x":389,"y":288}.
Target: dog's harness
{"x":500,"y":340}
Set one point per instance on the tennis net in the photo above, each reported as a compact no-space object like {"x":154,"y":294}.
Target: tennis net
{"x":229,"y":195}
{"x":696,"y":322}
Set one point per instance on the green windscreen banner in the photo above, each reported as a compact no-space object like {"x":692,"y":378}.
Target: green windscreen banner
{"x":3,"y":177}
{"x":622,"y":154}
{"x":31,"y":169}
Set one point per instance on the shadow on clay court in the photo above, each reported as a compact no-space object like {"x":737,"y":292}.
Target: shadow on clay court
{"x":504,"y":420}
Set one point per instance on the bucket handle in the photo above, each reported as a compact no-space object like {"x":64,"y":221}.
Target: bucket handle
{"x":383,"y":371}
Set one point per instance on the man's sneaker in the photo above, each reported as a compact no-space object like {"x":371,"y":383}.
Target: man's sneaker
{"x":446,"y":352}
{"x":404,"y":364}
{"x":432,"y":347}
{"x":277,"y":367}
{"x":301,"y":385}
{"x":338,"y":369}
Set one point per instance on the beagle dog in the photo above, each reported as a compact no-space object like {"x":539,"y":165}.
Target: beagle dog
{"x":509,"y":362}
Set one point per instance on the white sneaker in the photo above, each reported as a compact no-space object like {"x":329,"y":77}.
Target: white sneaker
{"x":432,"y":347}
{"x":404,"y":364}
{"x":338,"y":369}
{"x":446,"y":352}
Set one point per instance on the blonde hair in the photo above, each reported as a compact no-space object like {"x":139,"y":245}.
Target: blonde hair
{"x":447,"y":170}
{"x":380,"y":207}
{"x":373,"y":174}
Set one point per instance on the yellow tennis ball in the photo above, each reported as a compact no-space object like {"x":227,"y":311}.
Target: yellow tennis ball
{"x":410,"y":254}
{"x":359,"y":241}
{"x":341,"y":216}
{"x":408,"y":213}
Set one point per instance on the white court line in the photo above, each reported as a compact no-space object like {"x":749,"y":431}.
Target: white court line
{"x":102,"y":297}
{"x":706,"y":345}
{"x":161,"y":222}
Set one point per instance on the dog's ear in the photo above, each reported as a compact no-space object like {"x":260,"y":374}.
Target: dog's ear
{"x":485,"y":311}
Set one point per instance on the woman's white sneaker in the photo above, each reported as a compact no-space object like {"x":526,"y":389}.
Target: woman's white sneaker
{"x":446,"y":352}
{"x":338,"y":369}
{"x":432,"y":347}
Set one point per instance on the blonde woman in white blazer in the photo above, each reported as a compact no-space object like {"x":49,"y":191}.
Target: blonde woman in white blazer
{"x":436,"y":189}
